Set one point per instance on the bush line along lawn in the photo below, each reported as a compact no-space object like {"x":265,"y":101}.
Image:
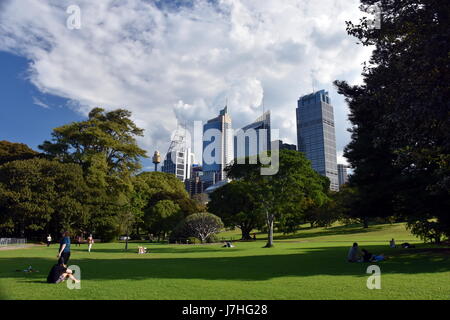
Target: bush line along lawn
{"x":308,"y":265}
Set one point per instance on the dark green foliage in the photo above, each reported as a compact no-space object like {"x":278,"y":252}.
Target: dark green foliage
{"x":292,"y":190}
{"x":237,"y":206}
{"x":203,"y":226}
{"x":165,"y":200}
{"x":400,"y":147}
{"x":10,"y":151}
{"x":41,"y":196}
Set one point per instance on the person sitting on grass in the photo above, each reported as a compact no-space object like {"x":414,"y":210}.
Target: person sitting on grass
{"x":142,"y":250}
{"x":354,"y":254}
{"x":367,"y":256}
{"x":392,"y":243}
{"x":59,"y":273}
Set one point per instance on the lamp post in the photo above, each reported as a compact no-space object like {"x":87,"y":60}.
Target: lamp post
{"x":156,"y":159}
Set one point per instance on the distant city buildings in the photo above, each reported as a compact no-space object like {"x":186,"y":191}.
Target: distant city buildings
{"x":179,"y":158}
{"x":283,"y":146}
{"x":254,"y":138}
{"x":342,"y":174}
{"x":315,"y":138}
{"x":316,"y":134}
{"x":194,"y":185}
{"x":217,"y":148}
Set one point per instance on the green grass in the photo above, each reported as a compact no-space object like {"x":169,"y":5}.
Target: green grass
{"x":308,"y":265}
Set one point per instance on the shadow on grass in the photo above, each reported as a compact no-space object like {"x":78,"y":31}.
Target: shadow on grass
{"x":333,"y":231}
{"x":304,"y":263}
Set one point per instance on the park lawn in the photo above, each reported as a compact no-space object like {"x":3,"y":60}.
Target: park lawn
{"x":309,"y":266}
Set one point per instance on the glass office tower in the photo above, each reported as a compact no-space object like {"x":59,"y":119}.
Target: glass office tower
{"x":253,"y":139}
{"x":316,"y":134}
{"x":223,"y":151}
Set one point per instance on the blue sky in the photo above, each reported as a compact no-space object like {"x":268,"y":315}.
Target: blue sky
{"x":171,"y":64}
{"x":21,"y":120}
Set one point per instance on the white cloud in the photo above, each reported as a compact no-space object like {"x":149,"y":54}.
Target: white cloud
{"x":184,"y":63}
{"x":41,"y":104}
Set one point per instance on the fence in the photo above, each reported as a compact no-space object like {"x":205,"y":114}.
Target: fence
{"x":6,"y":242}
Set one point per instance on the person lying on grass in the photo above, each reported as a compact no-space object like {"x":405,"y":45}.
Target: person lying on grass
{"x":59,"y":273}
{"x":368,"y":257}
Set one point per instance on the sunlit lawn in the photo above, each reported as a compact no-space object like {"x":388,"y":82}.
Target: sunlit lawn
{"x":308,"y":265}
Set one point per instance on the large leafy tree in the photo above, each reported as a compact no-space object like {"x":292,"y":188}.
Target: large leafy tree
{"x":105,"y":147}
{"x":295,"y":188}
{"x":400,"y":138}
{"x":165,"y":202}
{"x":202,"y":225}
{"x":236,"y":205}
{"x":10,"y":151}
{"x":40,"y":196}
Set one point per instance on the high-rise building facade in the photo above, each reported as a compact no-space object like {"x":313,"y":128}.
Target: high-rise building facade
{"x":194,"y":185}
{"x":342,"y":174}
{"x":217,"y":147}
{"x":179,"y":158}
{"x":253,"y":139}
{"x":316,"y":134}
{"x":283,"y":146}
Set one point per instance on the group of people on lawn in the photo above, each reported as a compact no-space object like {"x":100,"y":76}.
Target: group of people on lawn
{"x":59,"y":271}
{"x":357,"y":255}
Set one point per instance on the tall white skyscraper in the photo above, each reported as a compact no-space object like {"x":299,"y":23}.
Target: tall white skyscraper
{"x":179,"y":158}
{"x":217,"y":147}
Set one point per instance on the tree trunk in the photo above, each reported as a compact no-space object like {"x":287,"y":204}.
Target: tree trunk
{"x":270,"y":232}
{"x":246,"y":234}
{"x":366,"y":222}
{"x":126,"y":242}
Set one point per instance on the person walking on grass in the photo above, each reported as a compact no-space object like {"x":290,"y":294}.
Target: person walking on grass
{"x":49,"y":240}
{"x":90,"y":240}
{"x":64,"y":248}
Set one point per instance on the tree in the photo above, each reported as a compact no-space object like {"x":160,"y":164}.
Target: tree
{"x":294,"y":188}
{"x":236,"y":205}
{"x":105,"y":147}
{"x":163,"y":217}
{"x":10,"y":151}
{"x":202,"y":225}
{"x":400,"y":138}
{"x":165,"y":201}
{"x":40,"y":196}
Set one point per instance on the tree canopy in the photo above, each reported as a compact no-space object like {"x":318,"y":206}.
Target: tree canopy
{"x":400,"y":119}
{"x":295,"y":188}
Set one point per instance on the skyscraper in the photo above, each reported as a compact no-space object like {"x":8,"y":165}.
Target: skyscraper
{"x":254,"y":138}
{"x":179,"y":157}
{"x":217,"y":147}
{"x":284,"y":146}
{"x":316,"y":134}
{"x":342,"y":174}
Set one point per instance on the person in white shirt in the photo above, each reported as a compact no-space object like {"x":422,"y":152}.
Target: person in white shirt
{"x":90,"y":240}
{"x":49,"y":240}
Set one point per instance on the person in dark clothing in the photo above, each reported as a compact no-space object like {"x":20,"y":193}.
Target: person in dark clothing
{"x":59,"y":273}
{"x":367,"y":256}
{"x":64,"y":248}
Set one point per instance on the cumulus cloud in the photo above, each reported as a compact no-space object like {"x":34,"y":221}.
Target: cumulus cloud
{"x":171,"y":63}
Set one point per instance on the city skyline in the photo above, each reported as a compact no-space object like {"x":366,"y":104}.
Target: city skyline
{"x":166,"y":79}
